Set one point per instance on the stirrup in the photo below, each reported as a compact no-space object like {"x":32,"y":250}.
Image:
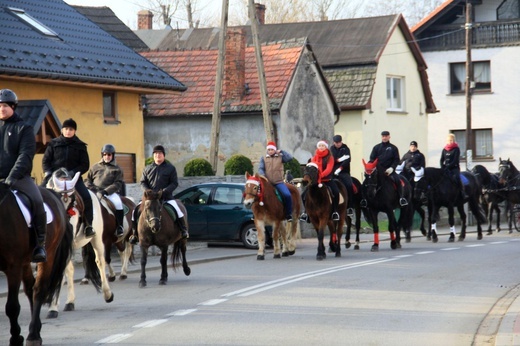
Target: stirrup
{"x":288,"y":218}
{"x":304,"y":217}
{"x":89,"y":232}
{"x":185,"y":234}
{"x":120,"y":231}
{"x":335,"y":216}
{"x":403,"y":202}
{"x":39,"y":255}
{"x":350,"y":212}
{"x":363,"y":203}
{"x":133,"y":240}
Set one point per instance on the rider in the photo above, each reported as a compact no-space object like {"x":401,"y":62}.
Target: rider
{"x":388,"y":158}
{"x":413,"y":158}
{"x":70,"y":152}
{"x":325,"y":162}
{"x":341,"y":153}
{"x":271,"y":166}
{"x":16,"y":160}
{"x":450,"y":162}
{"x":105,"y":178}
{"x":157,"y":176}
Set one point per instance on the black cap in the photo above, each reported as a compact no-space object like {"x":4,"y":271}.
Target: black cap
{"x":337,"y":138}
{"x":70,"y":123}
{"x":385,"y":133}
{"x":158,"y":148}
{"x":413,"y":143}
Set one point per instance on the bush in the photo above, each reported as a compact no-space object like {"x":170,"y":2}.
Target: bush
{"x":294,"y":167}
{"x":238,"y":165}
{"x":198,"y":168}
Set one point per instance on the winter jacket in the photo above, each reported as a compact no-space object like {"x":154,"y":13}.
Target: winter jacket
{"x":70,"y":153}
{"x":107,"y":177}
{"x":272,"y":166}
{"x":160,"y":177}
{"x":387,"y":153}
{"x":338,"y":153}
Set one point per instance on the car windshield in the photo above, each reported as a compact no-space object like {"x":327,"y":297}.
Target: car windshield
{"x":228,"y":195}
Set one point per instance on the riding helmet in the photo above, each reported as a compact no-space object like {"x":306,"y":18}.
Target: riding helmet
{"x":9,"y":97}
{"x":108,"y":149}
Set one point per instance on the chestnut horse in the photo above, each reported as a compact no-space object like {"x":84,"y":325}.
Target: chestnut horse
{"x":382,"y":196}
{"x":157,"y":227}
{"x":318,"y":205}
{"x":260,"y":196}
{"x":17,"y":242}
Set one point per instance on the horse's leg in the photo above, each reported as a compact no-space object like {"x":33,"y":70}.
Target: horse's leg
{"x":185,"y":267}
{"x":260,"y":231}
{"x":347,"y":233}
{"x":333,"y":241}
{"x":497,"y":211}
{"x":277,"y":232}
{"x":144,"y":259}
{"x":38,"y":284}
{"x":125,"y":259}
{"x":358,"y":227}
{"x":453,"y":232}
{"x":99,"y":249}
{"x":291,"y":237}
{"x":164,"y":265}
{"x":392,"y":230}
{"x":433,"y":213}
{"x":422,"y":214}
{"x":321,"y":255}
{"x":71,"y":296}
{"x":373,"y":216}
{"x":53,"y":307}
{"x":12,"y":306}
{"x":108,"y":260}
{"x":339,"y":233}
{"x":285,"y":240}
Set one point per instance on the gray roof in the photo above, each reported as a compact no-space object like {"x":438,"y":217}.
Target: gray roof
{"x":352,"y":85}
{"x":80,"y":52}
{"x":152,"y":38}
{"x":42,"y":117}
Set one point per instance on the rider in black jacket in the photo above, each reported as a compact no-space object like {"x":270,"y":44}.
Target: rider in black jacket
{"x":341,"y":154}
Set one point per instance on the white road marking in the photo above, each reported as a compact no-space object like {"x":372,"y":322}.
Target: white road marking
{"x":424,"y":252}
{"x":450,"y":248}
{"x":212,"y":302}
{"x":498,"y":242}
{"x":475,"y":245}
{"x":181,"y":312}
{"x":113,"y":339}
{"x":150,"y":323}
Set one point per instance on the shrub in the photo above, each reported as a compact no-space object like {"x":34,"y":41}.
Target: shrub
{"x":294,"y":167}
{"x":198,"y":168}
{"x":238,"y":165}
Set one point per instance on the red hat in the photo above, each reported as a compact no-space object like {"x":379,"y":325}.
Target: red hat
{"x":322,"y":142}
{"x":271,"y":145}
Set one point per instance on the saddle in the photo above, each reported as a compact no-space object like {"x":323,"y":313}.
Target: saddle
{"x":25,"y":205}
{"x":170,"y":210}
{"x":111,"y":207}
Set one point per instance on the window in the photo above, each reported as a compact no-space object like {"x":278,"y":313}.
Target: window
{"x":508,"y":9}
{"x":109,"y":107}
{"x":33,"y":22}
{"x":481,"y":77}
{"x":482,"y":143}
{"x":395,"y":94}
{"x":228,"y":195}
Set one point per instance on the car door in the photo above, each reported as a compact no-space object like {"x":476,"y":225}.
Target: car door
{"x":226,"y":212}
{"x":196,"y":200}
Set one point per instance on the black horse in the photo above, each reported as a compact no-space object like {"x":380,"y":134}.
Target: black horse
{"x":509,"y":175}
{"x":436,"y":187}
{"x":492,"y":194}
{"x":417,"y":203}
{"x":382,"y":196}
{"x":355,"y":201}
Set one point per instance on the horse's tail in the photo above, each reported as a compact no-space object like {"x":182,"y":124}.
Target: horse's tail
{"x":476,"y":208}
{"x":406,"y":217}
{"x":91,"y":269}
{"x":61,"y":259}
{"x":177,"y":253}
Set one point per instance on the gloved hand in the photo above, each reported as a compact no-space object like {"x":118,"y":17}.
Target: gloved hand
{"x":343,"y":158}
{"x":10,"y":181}
{"x":337,"y":171}
{"x":389,"y":171}
{"x":101,"y":194}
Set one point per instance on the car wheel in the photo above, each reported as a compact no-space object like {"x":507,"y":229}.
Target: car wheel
{"x":249,"y":236}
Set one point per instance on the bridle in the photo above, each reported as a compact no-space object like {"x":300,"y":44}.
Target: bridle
{"x":151,"y":219}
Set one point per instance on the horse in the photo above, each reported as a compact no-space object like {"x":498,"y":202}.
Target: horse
{"x":491,"y":196}
{"x":95,"y":263}
{"x":355,"y":201}
{"x":382,"y":196}
{"x":509,"y":176}
{"x":261,"y":196}
{"x":417,"y":203}
{"x":318,"y":205}
{"x":437,"y":188}
{"x":17,"y":241}
{"x":157,"y":227}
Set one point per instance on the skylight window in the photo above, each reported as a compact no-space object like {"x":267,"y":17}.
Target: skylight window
{"x":33,"y":22}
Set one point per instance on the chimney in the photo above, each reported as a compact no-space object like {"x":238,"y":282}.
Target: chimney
{"x":260,"y":13}
{"x":235,"y":64}
{"x":144,"y":20}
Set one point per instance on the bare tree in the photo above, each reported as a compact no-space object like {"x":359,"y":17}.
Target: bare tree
{"x":413,"y":10}
{"x":180,"y":10}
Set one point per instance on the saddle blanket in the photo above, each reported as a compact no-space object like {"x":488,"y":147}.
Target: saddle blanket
{"x":464,"y":180}
{"x":27,"y":214}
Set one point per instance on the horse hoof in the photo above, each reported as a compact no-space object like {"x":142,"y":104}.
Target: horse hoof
{"x":260,"y":257}
{"x":375,"y":248}
{"x":393,"y":245}
{"x":347,"y":245}
{"x":37,"y":342}
{"x":338,"y":254}
{"x":451,"y":240}
{"x":285,"y":254}
{"x":84,"y":281}
{"x":435,"y":239}
{"x":123,"y":277}
{"x":162,"y":282}
{"x":320,"y":257}
{"x":187,"y":271}
{"x":479,"y":237}
{"x":429,"y":238}
{"x":69,"y":307}
{"x":461,"y":239}
{"x":423,"y":231}
{"x":111,"y":278}
{"x":356,"y":247}
{"x":142,"y":284}
{"x":52,"y":314}
{"x":277,"y":256}
{"x":489,"y":233}
{"x":111,"y":299}
{"x":291,"y":252}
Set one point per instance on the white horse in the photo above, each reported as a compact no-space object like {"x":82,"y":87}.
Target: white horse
{"x":65,"y":188}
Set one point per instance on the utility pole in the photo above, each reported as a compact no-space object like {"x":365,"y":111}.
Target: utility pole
{"x":469,"y":84}
{"x":217,"y":101}
{"x":266,"y":108}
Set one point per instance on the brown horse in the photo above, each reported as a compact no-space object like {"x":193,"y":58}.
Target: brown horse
{"x":109,"y":238}
{"x":17,"y":241}
{"x":318,"y":205}
{"x":157,"y":227}
{"x":260,"y":196}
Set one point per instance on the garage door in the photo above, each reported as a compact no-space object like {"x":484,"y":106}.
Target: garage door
{"x":127,"y":164}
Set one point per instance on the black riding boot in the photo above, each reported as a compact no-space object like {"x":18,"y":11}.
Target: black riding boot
{"x":89,"y":217}
{"x":134,"y":238}
{"x":184,"y":229}
{"x":400,"y":192}
{"x":40,"y":227}
{"x":120,"y":215}
{"x":335,"y":202}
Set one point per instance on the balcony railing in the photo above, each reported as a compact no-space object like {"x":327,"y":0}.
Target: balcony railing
{"x":485,"y":34}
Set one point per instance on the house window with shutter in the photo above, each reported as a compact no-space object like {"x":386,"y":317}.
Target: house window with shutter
{"x":482,"y":143}
{"x":481,"y":77}
{"x":109,"y":108}
{"x":395,"y":94}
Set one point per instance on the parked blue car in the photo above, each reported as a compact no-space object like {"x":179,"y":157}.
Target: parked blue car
{"x":216,"y":213}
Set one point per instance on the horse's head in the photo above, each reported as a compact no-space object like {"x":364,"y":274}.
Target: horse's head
{"x":506,"y":171}
{"x":370,"y":183}
{"x":482,"y":174}
{"x":63,"y":183}
{"x":252,"y":190}
{"x":310,"y":174}
{"x":151,"y":208}
{"x":420,"y":185}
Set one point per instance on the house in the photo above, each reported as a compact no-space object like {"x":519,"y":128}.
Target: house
{"x":61,"y":65}
{"x":302,"y":107}
{"x":373,"y":66}
{"x":494,"y":49}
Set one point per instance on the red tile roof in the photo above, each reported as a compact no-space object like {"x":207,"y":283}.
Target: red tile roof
{"x":197,"y":70}
{"x":432,"y":15}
